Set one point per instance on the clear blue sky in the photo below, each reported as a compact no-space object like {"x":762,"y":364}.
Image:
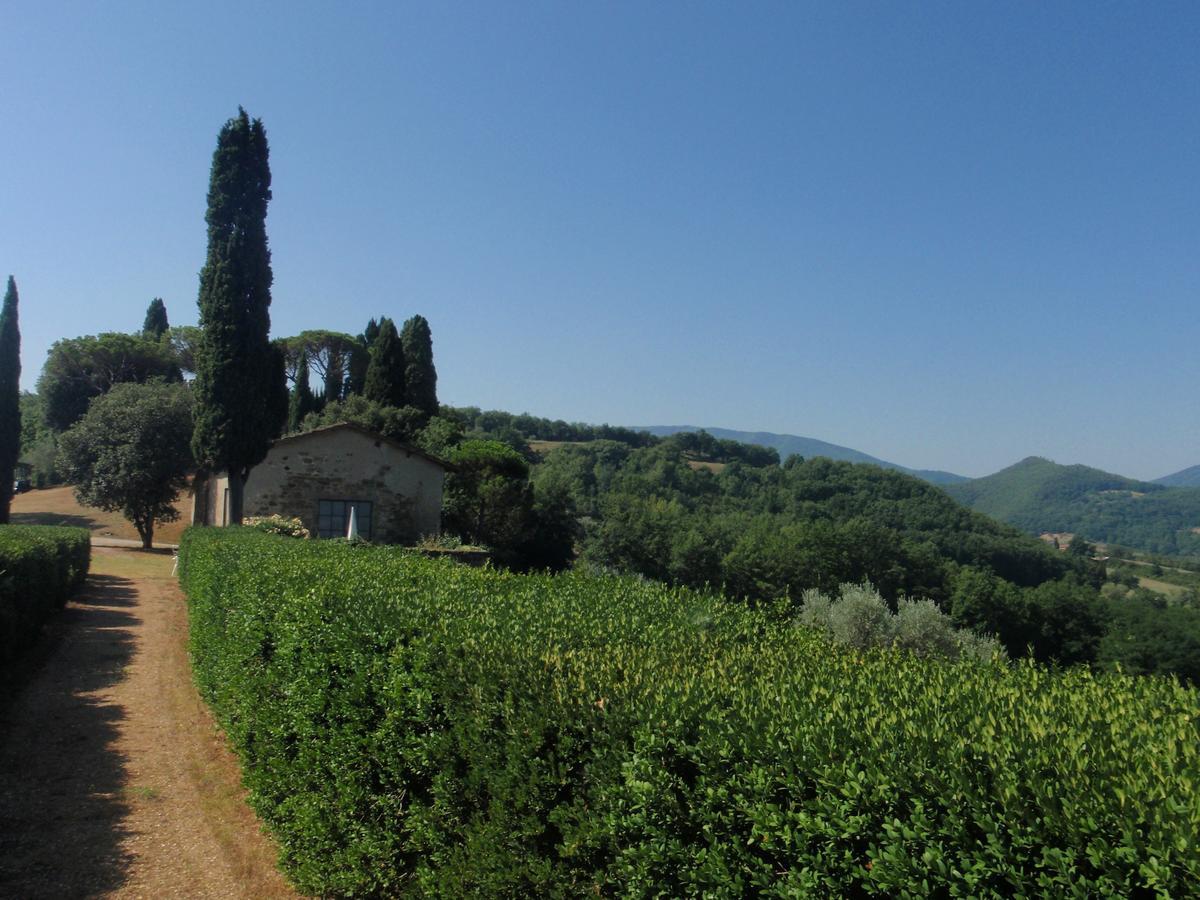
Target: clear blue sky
{"x":950,"y":235}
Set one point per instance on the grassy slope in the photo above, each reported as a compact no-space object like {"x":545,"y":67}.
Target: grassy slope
{"x":58,"y":506}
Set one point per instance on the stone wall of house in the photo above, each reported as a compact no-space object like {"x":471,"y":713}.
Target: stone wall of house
{"x":404,"y":488}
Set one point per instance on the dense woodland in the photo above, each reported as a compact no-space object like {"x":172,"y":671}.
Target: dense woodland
{"x":1037,"y":495}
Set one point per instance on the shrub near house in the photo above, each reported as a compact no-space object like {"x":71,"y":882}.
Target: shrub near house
{"x":409,"y":726}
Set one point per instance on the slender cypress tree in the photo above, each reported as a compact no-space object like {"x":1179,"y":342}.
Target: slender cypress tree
{"x":360,"y":358}
{"x":156,"y":323}
{"x":385,"y":373}
{"x":237,"y":388}
{"x":420,"y":377}
{"x":302,"y":401}
{"x":371,"y":332}
{"x":10,"y":396}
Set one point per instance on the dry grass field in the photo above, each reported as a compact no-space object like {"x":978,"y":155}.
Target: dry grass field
{"x":58,"y":506}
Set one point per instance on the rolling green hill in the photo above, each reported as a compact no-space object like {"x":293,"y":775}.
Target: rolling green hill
{"x":1038,"y":495}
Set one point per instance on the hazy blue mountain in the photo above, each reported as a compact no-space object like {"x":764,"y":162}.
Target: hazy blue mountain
{"x":787,"y":444}
{"x":1189,"y":477}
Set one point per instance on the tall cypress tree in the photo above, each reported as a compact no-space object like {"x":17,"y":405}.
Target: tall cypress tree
{"x":385,"y":372}
{"x":420,"y":377}
{"x":10,"y":396}
{"x":302,"y":401}
{"x":156,"y":323}
{"x":239,"y":382}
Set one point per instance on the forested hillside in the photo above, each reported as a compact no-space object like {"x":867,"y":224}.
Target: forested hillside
{"x":792,"y":444}
{"x":1038,"y":495}
{"x":1189,"y":477}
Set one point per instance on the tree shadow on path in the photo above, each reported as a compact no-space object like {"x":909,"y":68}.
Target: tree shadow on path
{"x":62,"y":781}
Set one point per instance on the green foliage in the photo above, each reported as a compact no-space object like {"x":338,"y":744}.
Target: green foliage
{"x":39,"y":443}
{"x":40,"y":567}
{"x":184,"y":340}
{"x":1152,"y":638}
{"x":411,"y":727}
{"x":328,"y":354}
{"x":384,"y":382}
{"x":492,"y":422}
{"x":156,"y":325}
{"x":400,"y":424}
{"x":286,"y":526}
{"x":420,"y":376}
{"x":10,"y":395}
{"x":79,"y":369}
{"x":487,"y":498}
{"x":1037,"y":495}
{"x":301,"y":401}
{"x":241,"y":392}
{"x":130,"y":453}
{"x":859,"y":617}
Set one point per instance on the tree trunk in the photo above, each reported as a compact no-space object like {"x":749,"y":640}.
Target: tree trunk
{"x":237,"y":484}
{"x":148,"y":536}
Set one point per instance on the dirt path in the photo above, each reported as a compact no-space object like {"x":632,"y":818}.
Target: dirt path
{"x":113,"y":779}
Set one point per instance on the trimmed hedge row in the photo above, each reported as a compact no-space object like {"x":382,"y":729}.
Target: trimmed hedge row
{"x":407,"y":726}
{"x":40,"y":567}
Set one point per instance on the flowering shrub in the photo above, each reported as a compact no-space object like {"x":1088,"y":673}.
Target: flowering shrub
{"x":277,"y":524}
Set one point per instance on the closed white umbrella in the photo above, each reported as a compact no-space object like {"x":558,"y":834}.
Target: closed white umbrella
{"x":352,"y":528}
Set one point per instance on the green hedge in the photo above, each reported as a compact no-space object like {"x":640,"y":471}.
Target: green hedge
{"x":40,"y":567}
{"x":409,"y":726}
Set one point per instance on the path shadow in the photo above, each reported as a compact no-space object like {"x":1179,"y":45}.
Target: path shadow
{"x":62,"y":780}
{"x":45,"y":518}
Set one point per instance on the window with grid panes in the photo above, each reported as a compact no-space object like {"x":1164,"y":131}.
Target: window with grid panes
{"x":333,"y":517}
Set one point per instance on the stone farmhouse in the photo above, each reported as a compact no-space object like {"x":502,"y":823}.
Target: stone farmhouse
{"x":319,"y":476}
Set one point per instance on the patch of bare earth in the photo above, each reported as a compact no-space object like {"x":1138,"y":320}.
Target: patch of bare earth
{"x":114,"y":780}
{"x":58,"y":506}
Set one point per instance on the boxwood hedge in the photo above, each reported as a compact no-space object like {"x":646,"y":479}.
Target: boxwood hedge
{"x":407,"y":726}
{"x":40,"y":567}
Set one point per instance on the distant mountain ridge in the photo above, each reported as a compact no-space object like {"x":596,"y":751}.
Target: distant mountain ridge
{"x":1038,"y":495}
{"x":788,"y":444}
{"x":1189,"y":477}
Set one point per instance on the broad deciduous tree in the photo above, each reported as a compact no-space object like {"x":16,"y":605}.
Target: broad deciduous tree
{"x":131,"y":453}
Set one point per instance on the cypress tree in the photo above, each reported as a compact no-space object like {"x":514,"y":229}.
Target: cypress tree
{"x":10,"y":396}
{"x":371,"y":332}
{"x":385,"y":372}
{"x":239,"y":386}
{"x":420,"y":377}
{"x":302,"y":401}
{"x":360,"y":358}
{"x":156,"y":323}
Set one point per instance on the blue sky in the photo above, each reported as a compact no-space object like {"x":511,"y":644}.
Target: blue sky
{"x":950,"y":235}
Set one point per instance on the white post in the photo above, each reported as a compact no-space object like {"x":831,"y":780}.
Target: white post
{"x":352,"y":528}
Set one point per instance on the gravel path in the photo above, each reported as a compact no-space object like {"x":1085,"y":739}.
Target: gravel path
{"x":114,"y":781}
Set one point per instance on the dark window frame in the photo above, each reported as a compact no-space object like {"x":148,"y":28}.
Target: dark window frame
{"x":330,"y":511}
